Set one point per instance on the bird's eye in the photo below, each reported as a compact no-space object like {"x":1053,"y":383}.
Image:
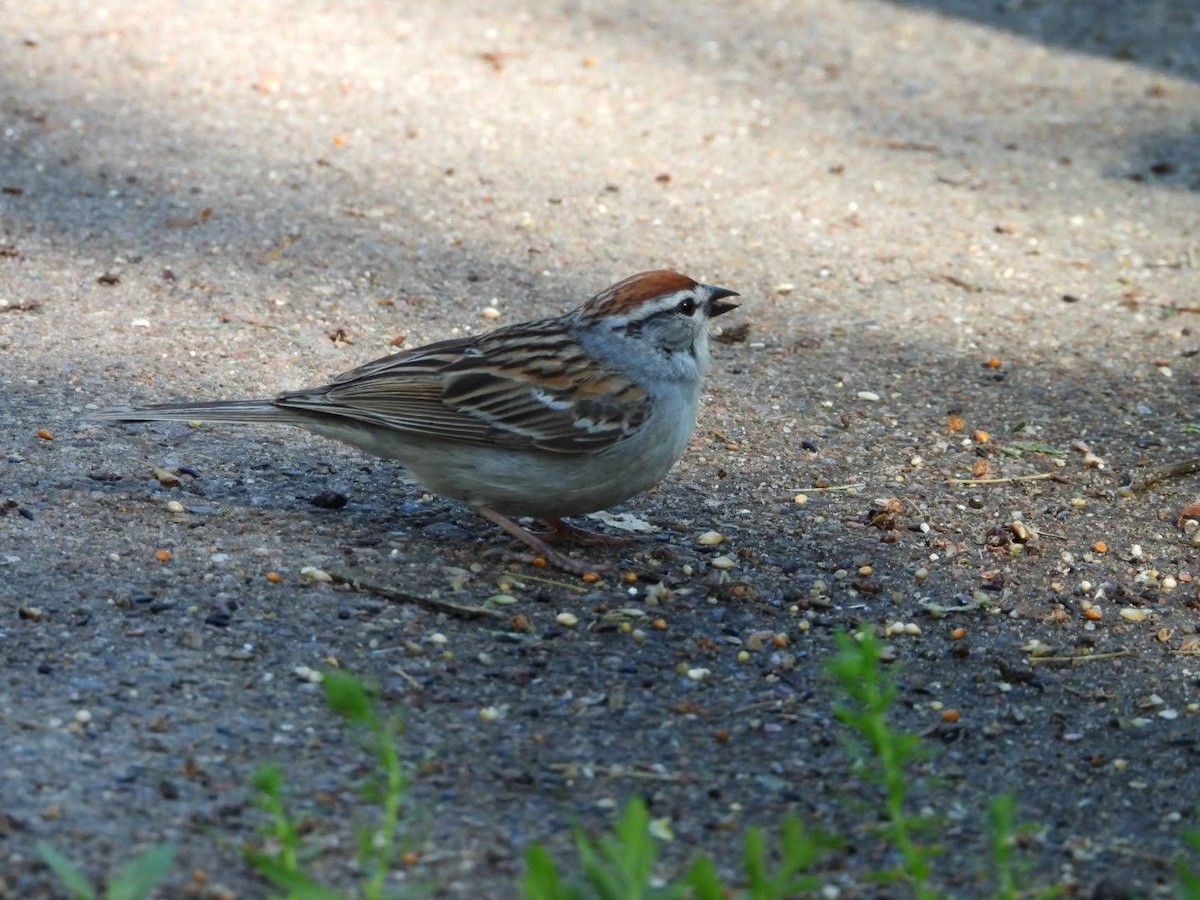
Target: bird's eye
{"x":686,"y":307}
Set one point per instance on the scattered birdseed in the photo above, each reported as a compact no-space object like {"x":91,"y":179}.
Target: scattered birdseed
{"x":868,"y":396}
{"x":866,"y":571}
{"x":1168,"y":584}
{"x":912,"y":628}
{"x":1133,"y":614}
{"x":490,"y":312}
{"x":921,"y":574}
{"x":502,"y":599}
{"x":274,"y":577}
{"x":699,"y":674}
{"x":438,"y":638}
{"x":784,"y":288}
{"x":489,"y":714}
{"x":722,"y":562}
{"x":590,"y":577}
{"x":743,"y":656}
{"x":567,"y":619}
{"x":800,"y":499}
{"x":304,"y":673}
{"x":312,"y":573}
{"x":174,"y":506}
{"x":1100,"y":547}
{"x":83,"y":716}
{"x":45,"y":434}
{"x":163,"y":556}
{"x":958,"y":634}
{"x":1092,"y":614}
{"x":710,"y":538}
{"x":951,"y":715}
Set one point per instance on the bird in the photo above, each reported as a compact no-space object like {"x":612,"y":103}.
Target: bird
{"x":547,"y":418}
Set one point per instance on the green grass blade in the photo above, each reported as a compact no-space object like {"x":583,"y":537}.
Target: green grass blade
{"x":68,"y":873}
{"x":141,"y":875}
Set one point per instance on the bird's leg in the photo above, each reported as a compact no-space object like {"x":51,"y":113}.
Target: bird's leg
{"x":564,"y":531}
{"x":544,"y":550}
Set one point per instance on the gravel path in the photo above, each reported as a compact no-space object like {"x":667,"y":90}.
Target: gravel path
{"x":968,"y":240}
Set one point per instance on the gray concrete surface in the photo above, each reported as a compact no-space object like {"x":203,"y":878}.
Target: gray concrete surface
{"x":230,"y":199}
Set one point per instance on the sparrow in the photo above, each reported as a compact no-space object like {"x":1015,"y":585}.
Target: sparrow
{"x":548,"y":418}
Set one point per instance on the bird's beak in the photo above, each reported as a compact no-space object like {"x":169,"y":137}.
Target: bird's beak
{"x":715,"y":305}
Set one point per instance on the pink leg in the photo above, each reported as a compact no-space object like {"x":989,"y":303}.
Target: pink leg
{"x":553,"y":557}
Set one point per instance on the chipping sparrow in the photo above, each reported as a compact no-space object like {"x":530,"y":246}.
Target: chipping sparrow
{"x":549,"y":418}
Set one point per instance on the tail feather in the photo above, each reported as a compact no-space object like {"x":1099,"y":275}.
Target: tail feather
{"x":242,"y":411}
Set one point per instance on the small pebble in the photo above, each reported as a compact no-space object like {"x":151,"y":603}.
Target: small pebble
{"x":784,"y":288}
{"x":800,"y":499}
{"x":304,"y":673}
{"x":1133,"y":614}
{"x":921,"y":574}
{"x":83,"y":716}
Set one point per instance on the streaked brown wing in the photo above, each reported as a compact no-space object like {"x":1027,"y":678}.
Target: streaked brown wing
{"x":531,"y":388}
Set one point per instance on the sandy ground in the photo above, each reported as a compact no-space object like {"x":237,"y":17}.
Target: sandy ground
{"x":966,"y":234}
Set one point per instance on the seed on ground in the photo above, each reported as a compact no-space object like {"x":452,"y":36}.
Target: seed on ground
{"x":489,"y":714}
{"x":162,"y":555}
{"x":723,"y":562}
{"x":699,"y":673}
{"x":958,"y":634}
{"x":1100,"y":547}
{"x":174,"y":506}
{"x":312,"y":573}
{"x":710,"y":538}
{"x":951,"y":715}
{"x":274,"y":577}
{"x":1092,"y":614}
{"x":567,"y":619}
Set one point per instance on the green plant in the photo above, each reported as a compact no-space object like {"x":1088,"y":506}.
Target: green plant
{"x":136,"y":879}
{"x":620,"y":866}
{"x":882,"y":752}
{"x":284,"y":865}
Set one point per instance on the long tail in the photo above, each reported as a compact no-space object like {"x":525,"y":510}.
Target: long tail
{"x":243,"y":411}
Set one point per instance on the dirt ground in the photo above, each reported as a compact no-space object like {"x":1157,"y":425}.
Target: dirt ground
{"x":968,"y":240}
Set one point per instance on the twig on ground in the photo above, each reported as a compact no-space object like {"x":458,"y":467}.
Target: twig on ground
{"x":1162,"y":473}
{"x":1038,"y":477}
{"x":1071,"y":660}
{"x":432,"y":603}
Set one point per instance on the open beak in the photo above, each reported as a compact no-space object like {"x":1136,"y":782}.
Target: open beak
{"x":716,"y":305}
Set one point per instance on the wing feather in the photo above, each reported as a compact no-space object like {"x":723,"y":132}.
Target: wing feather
{"x":531,"y":389}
